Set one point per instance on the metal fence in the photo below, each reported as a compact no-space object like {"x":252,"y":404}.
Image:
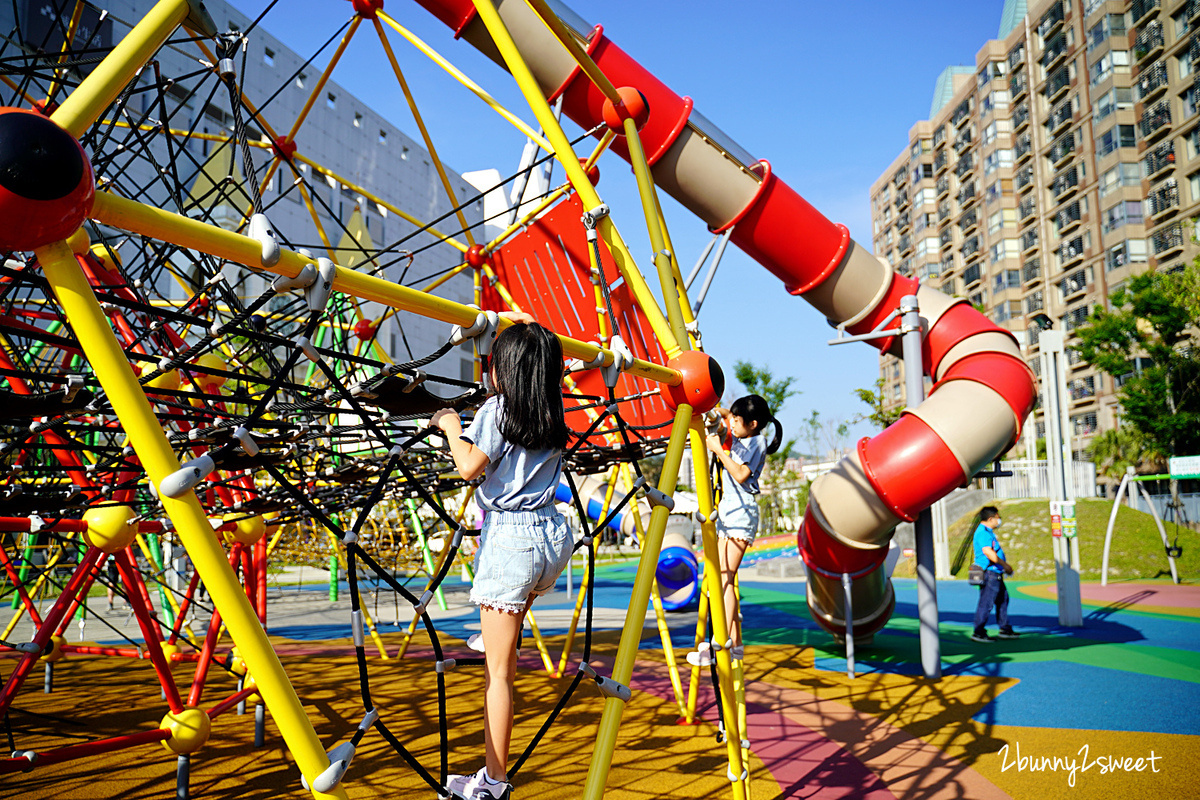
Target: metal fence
{"x":1191,"y":506}
{"x":1031,"y":479}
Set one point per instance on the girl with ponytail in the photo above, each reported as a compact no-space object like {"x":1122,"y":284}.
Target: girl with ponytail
{"x":737,"y":513}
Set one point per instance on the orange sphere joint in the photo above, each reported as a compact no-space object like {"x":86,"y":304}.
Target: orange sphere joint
{"x":593,"y":172}
{"x":633,"y":105}
{"x":477,"y":257}
{"x":367,"y":9}
{"x":46,"y":182}
{"x":364,"y":329}
{"x":702,"y":385}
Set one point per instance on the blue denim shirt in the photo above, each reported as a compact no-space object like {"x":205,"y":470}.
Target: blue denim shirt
{"x":515,"y":479}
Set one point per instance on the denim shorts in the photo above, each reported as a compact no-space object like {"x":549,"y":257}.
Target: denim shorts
{"x":738,"y":522}
{"x":521,"y":554}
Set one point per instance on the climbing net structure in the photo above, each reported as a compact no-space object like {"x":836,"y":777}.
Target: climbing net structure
{"x":179,"y":378}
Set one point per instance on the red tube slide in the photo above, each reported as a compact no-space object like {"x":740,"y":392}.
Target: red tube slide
{"x":982,"y":389}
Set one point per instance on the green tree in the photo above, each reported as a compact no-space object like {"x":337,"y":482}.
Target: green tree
{"x":1147,"y":339}
{"x":761,"y":381}
{"x":1114,"y":451}
{"x":876,"y":400}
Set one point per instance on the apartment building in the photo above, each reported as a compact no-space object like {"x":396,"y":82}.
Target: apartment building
{"x":1065,"y":162}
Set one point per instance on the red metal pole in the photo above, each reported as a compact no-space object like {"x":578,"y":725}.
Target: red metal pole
{"x":141,"y":610}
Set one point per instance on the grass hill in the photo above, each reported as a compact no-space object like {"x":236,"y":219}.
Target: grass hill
{"x":1136,"y":553}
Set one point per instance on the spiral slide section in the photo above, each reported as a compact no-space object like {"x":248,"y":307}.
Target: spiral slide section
{"x":982,"y":389}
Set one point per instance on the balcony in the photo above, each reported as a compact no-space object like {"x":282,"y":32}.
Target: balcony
{"x":1023,"y":148}
{"x":1024,"y":177}
{"x":943,"y":210}
{"x":966,"y":194}
{"x":1167,"y":240}
{"x":1055,"y":51}
{"x":1073,"y":284}
{"x":1057,"y":83}
{"x":1141,"y":8}
{"x":963,"y":140}
{"x":964,"y":165}
{"x":1016,"y":58}
{"x":1155,"y":120}
{"x":1159,"y":160}
{"x":1082,"y":388}
{"x":903,"y":220}
{"x":946,"y":237}
{"x":971,"y":275}
{"x":905,"y":243}
{"x":940,"y":161}
{"x":1151,"y":80}
{"x":1061,"y":150}
{"x":1029,"y":239}
{"x":901,"y":199}
{"x":1070,"y":252}
{"x":1067,"y":218}
{"x":1051,"y":21}
{"x":1060,"y":117}
{"x":968,"y":220}
{"x":1064,"y":183}
{"x":1035,"y":302}
{"x":1032,"y":270}
{"x":1149,"y":40}
{"x":1026,"y":209}
{"x":1020,"y":116}
{"x":1017,"y":84}
{"x":939,"y":135}
{"x":1193,"y":10}
{"x":1163,"y":198}
{"x":943,"y":185}
{"x":961,"y":113}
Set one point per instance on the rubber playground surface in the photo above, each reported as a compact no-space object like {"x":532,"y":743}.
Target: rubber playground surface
{"x":1059,"y":713}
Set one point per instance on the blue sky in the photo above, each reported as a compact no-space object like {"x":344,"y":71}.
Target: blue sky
{"x":826,"y":92}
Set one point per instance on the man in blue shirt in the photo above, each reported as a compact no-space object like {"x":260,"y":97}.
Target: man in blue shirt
{"x":989,"y":555}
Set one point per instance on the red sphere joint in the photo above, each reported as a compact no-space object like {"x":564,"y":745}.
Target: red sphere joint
{"x":364,"y":329}
{"x":46,"y":182}
{"x":633,"y":105}
{"x":702,"y":385}
{"x":476,"y":257}
{"x":367,"y":9}
{"x":284,"y":147}
{"x":593,"y":172}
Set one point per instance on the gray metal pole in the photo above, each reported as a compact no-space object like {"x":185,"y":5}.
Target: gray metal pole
{"x":914,"y":389}
{"x":712,"y":271}
{"x":848,"y":615}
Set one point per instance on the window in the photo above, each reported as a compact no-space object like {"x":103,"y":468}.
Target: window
{"x":1181,"y":22}
{"x":331,"y":100}
{"x":1114,"y":137}
{"x":1123,"y":174}
{"x":300,"y":79}
{"x":1004,"y":218}
{"x":1127,"y":212}
{"x":1184,"y":62}
{"x":383,"y":140}
{"x":922,"y":171}
{"x":1188,"y":99}
{"x":268,"y":56}
{"x":928,"y":246}
{"x":357,"y":119}
{"x":1007,"y":279}
{"x":1006,"y":310}
{"x":1113,"y":61}
{"x":924,"y":196}
{"x":994,"y":100}
{"x":1116,"y":99}
{"x":1111,"y":25}
{"x":1130,"y":251}
{"x":996,"y":159}
{"x":1005,"y":248}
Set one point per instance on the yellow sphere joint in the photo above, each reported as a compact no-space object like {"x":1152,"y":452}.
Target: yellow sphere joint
{"x":79,"y":242}
{"x":169,"y":652}
{"x":237,"y":664}
{"x":168,"y":381}
{"x":107,"y":257}
{"x":54,"y":652}
{"x":189,"y":730}
{"x":246,"y":530}
{"x":110,"y":527}
{"x":211,"y":361}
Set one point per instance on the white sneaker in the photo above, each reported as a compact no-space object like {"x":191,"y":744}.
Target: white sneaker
{"x":478,"y":787}
{"x":475,"y":642}
{"x":701,"y":656}
{"x":738,"y":651}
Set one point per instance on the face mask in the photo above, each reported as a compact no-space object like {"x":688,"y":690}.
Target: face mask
{"x":999,"y":522}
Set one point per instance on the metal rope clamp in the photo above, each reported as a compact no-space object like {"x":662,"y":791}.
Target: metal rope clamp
{"x":622,"y":358}
{"x":579,"y":365}
{"x":318,"y":293}
{"x":607,"y":686}
{"x":260,"y":228}
{"x":180,"y":482}
{"x":592,"y":217}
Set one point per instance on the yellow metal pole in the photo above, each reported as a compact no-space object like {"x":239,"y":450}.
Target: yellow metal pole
{"x":576,"y":174}
{"x":568,"y":40}
{"x":98,"y":90}
{"x":716,"y":607}
{"x":461,"y":77}
{"x":128,"y":401}
{"x":165,"y":226}
{"x":635,"y":618}
{"x":547,"y":662}
{"x":68,"y":40}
